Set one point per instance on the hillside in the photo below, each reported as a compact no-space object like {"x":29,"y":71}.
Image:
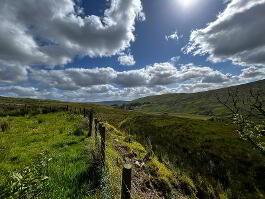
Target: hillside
{"x":191,"y":157}
{"x":111,"y":103}
{"x":202,"y":103}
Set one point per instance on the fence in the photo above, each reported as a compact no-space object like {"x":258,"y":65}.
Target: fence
{"x":127,"y":169}
{"x":23,"y":109}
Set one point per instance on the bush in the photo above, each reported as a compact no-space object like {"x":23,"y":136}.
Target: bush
{"x":4,"y":125}
{"x":78,"y":132}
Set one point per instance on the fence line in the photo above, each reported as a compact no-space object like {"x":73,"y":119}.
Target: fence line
{"x":99,"y":128}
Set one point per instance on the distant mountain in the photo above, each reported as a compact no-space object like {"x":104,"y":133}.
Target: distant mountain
{"x":202,"y":103}
{"x":111,"y":103}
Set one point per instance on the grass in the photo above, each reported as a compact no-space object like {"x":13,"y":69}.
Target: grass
{"x":48,"y":144}
{"x":205,"y":148}
{"x":192,"y":154}
{"x":203,"y":103}
{"x":43,"y":156}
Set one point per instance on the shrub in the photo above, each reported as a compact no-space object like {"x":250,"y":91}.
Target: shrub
{"x":4,"y":125}
{"x":78,"y":132}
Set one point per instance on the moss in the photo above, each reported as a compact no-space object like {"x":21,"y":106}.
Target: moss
{"x":161,"y":169}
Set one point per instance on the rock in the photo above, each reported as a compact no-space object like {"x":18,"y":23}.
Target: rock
{"x":139,"y":164}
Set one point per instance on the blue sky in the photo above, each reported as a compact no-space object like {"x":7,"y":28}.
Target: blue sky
{"x":101,"y":50}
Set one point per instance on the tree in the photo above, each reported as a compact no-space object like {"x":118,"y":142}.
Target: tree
{"x":248,"y":114}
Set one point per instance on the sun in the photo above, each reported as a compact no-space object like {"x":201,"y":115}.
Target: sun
{"x":186,"y":3}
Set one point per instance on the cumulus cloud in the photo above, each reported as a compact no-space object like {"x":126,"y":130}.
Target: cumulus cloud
{"x":106,"y":83}
{"x":58,"y":31}
{"x":126,"y":60}
{"x":73,"y":78}
{"x":253,"y":72}
{"x":12,"y":73}
{"x":236,"y":35}
{"x":158,"y":74}
{"x":92,"y":94}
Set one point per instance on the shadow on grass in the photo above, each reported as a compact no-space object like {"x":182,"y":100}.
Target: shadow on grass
{"x":88,"y":181}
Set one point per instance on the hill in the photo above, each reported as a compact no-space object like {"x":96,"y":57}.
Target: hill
{"x":111,"y":103}
{"x":202,"y":103}
{"x":190,"y":156}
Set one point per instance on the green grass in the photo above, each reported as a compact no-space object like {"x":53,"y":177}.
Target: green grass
{"x":211,"y":154}
{"x":45,"y":141}
{"x":208,"y":156}
{"x":42,"y":156}
{"x":202,"y":103}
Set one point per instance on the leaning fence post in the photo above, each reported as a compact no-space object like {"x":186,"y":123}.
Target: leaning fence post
{"x":90,"y":123}
{"x":126,"y":181}
{"x":102,"y":130}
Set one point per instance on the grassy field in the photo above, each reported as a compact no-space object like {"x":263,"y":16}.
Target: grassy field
{"x":194,"y":157}
{"x":39,"y":149}
{"x":49,"y":156}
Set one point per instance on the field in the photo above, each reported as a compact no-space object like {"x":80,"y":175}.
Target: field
{"x":47,"y":154}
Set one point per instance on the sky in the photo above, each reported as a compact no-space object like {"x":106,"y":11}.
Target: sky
{"x":103,"y":50}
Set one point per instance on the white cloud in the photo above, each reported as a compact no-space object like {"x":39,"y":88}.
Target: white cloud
{"x":173,"y":36}
{"x":126,"y":60}
{"x":73,"y":78}
{"x":12,"y":73}
{"x":107,"y":84}
{"x":175,"y":59}
{"x":253,"y":72}
{"x":236,"y":35}
{"x":58,"y":32}
{"x":158,"y":74}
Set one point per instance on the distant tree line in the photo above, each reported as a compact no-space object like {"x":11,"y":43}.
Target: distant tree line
{"x":132,"y":106}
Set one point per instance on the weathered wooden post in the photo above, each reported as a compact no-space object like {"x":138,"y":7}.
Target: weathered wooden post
{"x":96,"y":126}
{"x":90,"y":123}
{"x":84,"y":112}
{"x":126,"y":181}
{"x":67,"y":108}
{"x":102,"y":130}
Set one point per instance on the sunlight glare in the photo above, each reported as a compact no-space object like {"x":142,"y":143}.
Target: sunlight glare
{"x":185,"y":3}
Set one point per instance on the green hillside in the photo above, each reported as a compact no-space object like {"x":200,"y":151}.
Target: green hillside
{"x":192,"y":156}
{"x":202,"y":103}
{"x":111,"y":103}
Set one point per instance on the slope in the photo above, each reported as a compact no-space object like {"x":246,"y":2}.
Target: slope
{"x":202,"y":103}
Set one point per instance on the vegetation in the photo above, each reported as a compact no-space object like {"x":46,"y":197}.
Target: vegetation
{"x":248,"y":115}
{"x":202,"y":103}
{"x":45,"y":151}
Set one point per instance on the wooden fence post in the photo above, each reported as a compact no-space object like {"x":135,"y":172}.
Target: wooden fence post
{"x":102,"y":130}
{"x":84,"y":112}
{"x":90,"y":123}
{"x":126,"y":182}
{"x":96,"y":126}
